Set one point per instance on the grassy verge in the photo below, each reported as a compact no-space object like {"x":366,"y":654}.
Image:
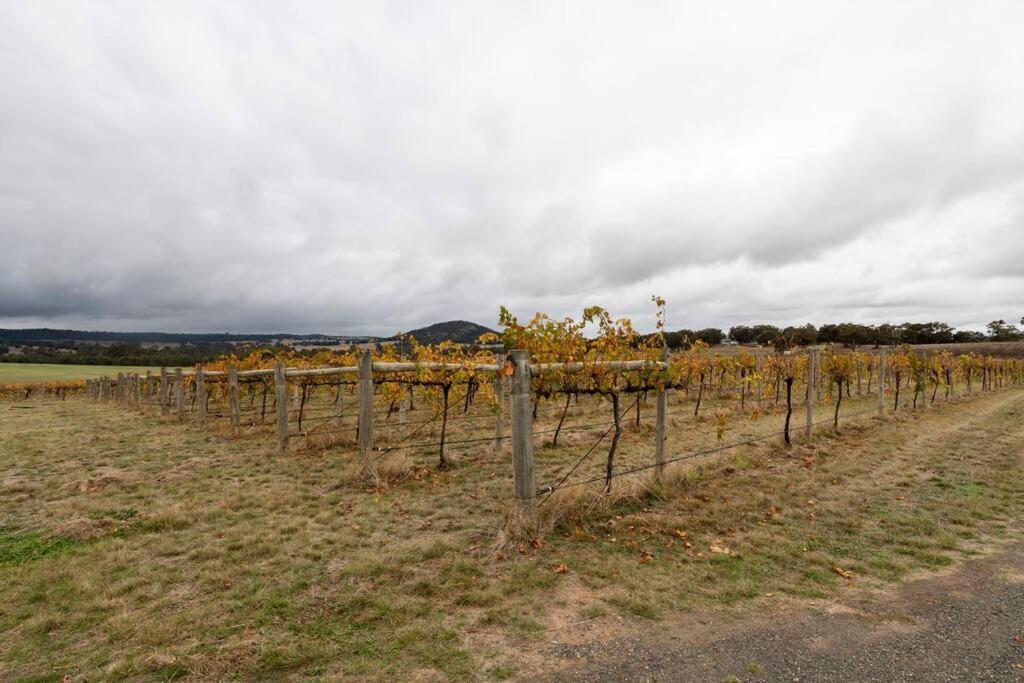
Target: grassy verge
{"x":133,"y":547}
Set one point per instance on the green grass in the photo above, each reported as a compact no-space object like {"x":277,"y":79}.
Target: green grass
{"x":136,"y":547}
{"x":18,"y":373}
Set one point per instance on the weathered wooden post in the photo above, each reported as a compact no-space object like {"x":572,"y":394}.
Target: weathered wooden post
{"x":233,"y":397}
{"x":881,"y":382}
{"x":403,"y":407}
{"x":499,"y":394}
{"x":104,"y":388}
{"x":522,"y":436}
{"x":200,"y":378}
{"x":811,"y":393}
{"x":365,"y":407}
{"x":281,"y":404}
{"x":659,"y":425}
{"x":119,"y":394}
{"x":42,"y":391}
{"x":149,"y":387}
{"x":138,"y":391}
{"x":179,"y":393}
{"x":295,"y":397}
{"x":162,"y":396}
{"x":857,"y":356}
{"x":339,"y":400}
{"x":758,"y":367}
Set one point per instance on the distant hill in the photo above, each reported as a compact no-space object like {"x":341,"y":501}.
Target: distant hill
{"x":44,"y":334}
{"x":459,"y":331}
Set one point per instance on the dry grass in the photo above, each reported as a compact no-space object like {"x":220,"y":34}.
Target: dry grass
{"x":135,"y":547}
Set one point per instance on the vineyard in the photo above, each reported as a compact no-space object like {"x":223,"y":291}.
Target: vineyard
{"x":449,"y":511}
{"x":572,"y":412}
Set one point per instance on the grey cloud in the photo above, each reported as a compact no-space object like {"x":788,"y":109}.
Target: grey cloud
{"x":360,"y":168}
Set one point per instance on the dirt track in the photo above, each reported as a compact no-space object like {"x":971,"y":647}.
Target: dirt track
{"x":954,"y":626}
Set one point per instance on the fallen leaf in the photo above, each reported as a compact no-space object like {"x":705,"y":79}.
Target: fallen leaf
{"x":561,"y":569}
{"x":719,"y":548}
{"x":843,"y":573}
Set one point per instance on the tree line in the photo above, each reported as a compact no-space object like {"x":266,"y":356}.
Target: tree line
{"x":851,"y":335}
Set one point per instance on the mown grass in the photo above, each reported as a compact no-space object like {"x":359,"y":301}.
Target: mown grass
{"x":19,"y":373}
{"x":135,"y":547}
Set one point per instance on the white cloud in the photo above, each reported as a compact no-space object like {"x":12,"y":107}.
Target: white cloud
{"x":365,"y":168}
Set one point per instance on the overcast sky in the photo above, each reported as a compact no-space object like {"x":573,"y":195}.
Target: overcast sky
{"x":368,"y":167}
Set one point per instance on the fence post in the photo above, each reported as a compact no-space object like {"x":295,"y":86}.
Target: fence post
{"x":200,"y":396}
{"x":339,"y":400}
{"x":42,"y":391}
{"x":522,"y":435}
{"x":499,"y":394}
{"x":365,"y":407}
{"x":881,"y":382}
{"x":138,"y":391}
{"x":659,"y":425}
{"x":811,"y":370}
{"x":758,"y":365}
{"x":403,"y":415}
{"x":179,"y":393}
{"x":281,"y":406}
{"x":149,"y":387}
{"x":162,"y":396}
{"x":119,"y":393}
{"x":233,"y":397}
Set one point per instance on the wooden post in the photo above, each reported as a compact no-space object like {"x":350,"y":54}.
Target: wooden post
{"x":295,"y":397}
{"x":403,"y":404}
{"x":179,"y":393}
{"x":104,"y":388}
{"x":365,"y":407}
{"x":42,"y":391}
{"x":758,"y":367}
{"x":233,"y":397}
{"x":201,"y":396}
{"x":859,"y":393}
{"x":881,"y":382}
{"x":659,"y":425}
{"x":162,"y":396}
{"x":149,"y":387}
{"x":522,"y":435}
{"x":499,"y":394}
{"x":339,"y":400}
{"x":119,"y":394}
{"x":138,"y":390}
{"x":811,"y":362}
{"x":281,"y":403}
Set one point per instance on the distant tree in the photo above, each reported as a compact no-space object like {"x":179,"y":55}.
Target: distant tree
{"x":710,"y":335}
{"x":968,"y":336}
{"x":804,"y":335}
{"x":998,"y":330}
{"x":741,"y":334}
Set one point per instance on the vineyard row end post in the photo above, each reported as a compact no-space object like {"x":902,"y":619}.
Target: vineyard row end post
{"x":881,"y":382}
{"x":499,"y":394}
{"x":201,"y":396}
{"x":522,"y":436}
{"x":659,"y":427}
{"x":162,"y":396}
{"x":365,"y":408}
{"x":281,"y":406}
{"x":811,"y":361}
{"x":179,"y":394}
{"x":233,"y":397}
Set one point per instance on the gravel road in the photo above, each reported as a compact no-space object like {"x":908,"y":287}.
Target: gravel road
{"x":966,"y":624}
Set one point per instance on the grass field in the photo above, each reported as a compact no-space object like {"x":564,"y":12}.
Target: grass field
{"x":17,"y":373}
{"x":136,"y":547}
